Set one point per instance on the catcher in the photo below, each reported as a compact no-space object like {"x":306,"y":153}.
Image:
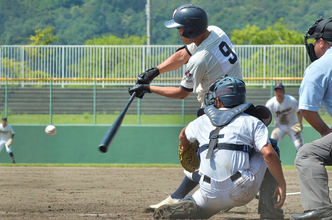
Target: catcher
{"x":288,"y":118}
{"x":235,"y":153}
{"x":6,"y":137}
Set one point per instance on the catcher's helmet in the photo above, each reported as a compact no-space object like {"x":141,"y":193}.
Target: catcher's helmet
{"x":230,"y":90}
{"x":192,"y":17}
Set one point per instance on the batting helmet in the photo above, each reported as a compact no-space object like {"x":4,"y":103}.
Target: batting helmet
{"x":192,"y":17}
{"x":230,"y":90}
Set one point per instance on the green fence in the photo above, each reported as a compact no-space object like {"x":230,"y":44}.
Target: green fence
{"x":133,"y":144}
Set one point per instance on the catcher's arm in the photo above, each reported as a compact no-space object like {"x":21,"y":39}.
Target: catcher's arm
{"x":183,"y":139}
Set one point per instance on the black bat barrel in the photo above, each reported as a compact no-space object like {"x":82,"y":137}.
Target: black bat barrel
{"x":110,"y":134}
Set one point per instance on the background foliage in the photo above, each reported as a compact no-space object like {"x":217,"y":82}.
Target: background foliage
{"x":77,"y":21}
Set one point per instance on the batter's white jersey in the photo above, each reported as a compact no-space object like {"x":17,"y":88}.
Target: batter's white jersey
{"x":284,"y":113}
{"x":6,"y":132}
{"x":211,"y":60}
{"x":243,"y":130}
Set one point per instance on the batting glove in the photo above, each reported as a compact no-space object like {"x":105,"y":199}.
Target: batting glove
{"x":147,"y":76}
{"x":140,"y":90}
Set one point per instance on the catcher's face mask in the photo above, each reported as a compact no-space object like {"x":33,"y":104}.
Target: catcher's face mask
{"x":310,"y":47}
{"x":322,"y":28}
{"x":209,"y":97}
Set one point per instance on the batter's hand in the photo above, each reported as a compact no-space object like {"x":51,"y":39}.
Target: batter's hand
{"x":140,"y":90}
{"x":281,"y":193}
{"x":147,"y":76}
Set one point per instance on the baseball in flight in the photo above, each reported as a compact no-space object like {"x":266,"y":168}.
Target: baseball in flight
{"x":50,"y":130}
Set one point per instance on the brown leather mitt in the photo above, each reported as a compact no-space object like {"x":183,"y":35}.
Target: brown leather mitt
{"x":297,"y":127}
{"x":189,"y":159}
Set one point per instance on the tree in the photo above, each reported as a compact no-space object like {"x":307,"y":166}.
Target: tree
{"x":43,"y":37}
{"x":276,"y":34}
{"x":113,"y":40}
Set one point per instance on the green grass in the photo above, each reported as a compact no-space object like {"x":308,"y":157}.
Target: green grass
{"x":87,"y":118}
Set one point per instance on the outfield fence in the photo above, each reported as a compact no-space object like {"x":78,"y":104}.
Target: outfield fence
{"x":56,"y":100}
{"x":120,"y":65}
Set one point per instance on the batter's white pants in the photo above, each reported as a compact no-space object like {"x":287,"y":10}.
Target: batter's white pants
{"x":280,"y":131}
{"x":220,"y":195}
{"x":3,"y":143}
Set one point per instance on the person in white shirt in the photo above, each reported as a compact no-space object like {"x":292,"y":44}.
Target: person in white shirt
{"x":235,"y":152}
{"x":286,"y":114}
{"x":6,"y":137}
{"x":209,"y":55}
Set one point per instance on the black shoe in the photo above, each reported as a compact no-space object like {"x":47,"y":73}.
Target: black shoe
{"x":322,"y":214}
{"x":13,"y":161}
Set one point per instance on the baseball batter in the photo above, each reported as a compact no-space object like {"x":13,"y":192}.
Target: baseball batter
{"x":209,"y":55}
{"x":6,"y":137}
{"x":232,"y":168}
{"x":286,"y":114}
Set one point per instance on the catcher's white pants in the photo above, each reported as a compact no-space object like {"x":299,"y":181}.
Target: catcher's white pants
{"x":220,"y":195}
{"x":280,"y":131}
{"x":3,"y":143}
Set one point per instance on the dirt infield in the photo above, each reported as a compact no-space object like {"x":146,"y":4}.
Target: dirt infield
{"x":104,"y":193}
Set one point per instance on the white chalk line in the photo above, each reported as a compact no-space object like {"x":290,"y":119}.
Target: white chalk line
{"x":298,"y":193}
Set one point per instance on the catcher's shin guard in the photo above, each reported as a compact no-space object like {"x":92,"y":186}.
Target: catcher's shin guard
{"x":266,"y":202}
{"x":186,"y":209}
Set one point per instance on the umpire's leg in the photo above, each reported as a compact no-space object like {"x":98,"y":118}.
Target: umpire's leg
{"x":310,"y":163}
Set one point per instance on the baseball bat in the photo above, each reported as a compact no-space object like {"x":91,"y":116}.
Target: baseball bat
{"x":110,"y":134}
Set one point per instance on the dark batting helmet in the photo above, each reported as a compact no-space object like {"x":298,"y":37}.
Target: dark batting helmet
{"x":230,"y":90}
{"x":192,"y":17}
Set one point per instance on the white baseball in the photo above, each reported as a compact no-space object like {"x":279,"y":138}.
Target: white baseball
{"x":50,"y":130}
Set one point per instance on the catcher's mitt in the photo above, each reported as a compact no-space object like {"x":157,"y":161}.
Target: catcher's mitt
{"x":189,"y":159}
{"x":297,"y":127}
{"x":9,"y":142}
